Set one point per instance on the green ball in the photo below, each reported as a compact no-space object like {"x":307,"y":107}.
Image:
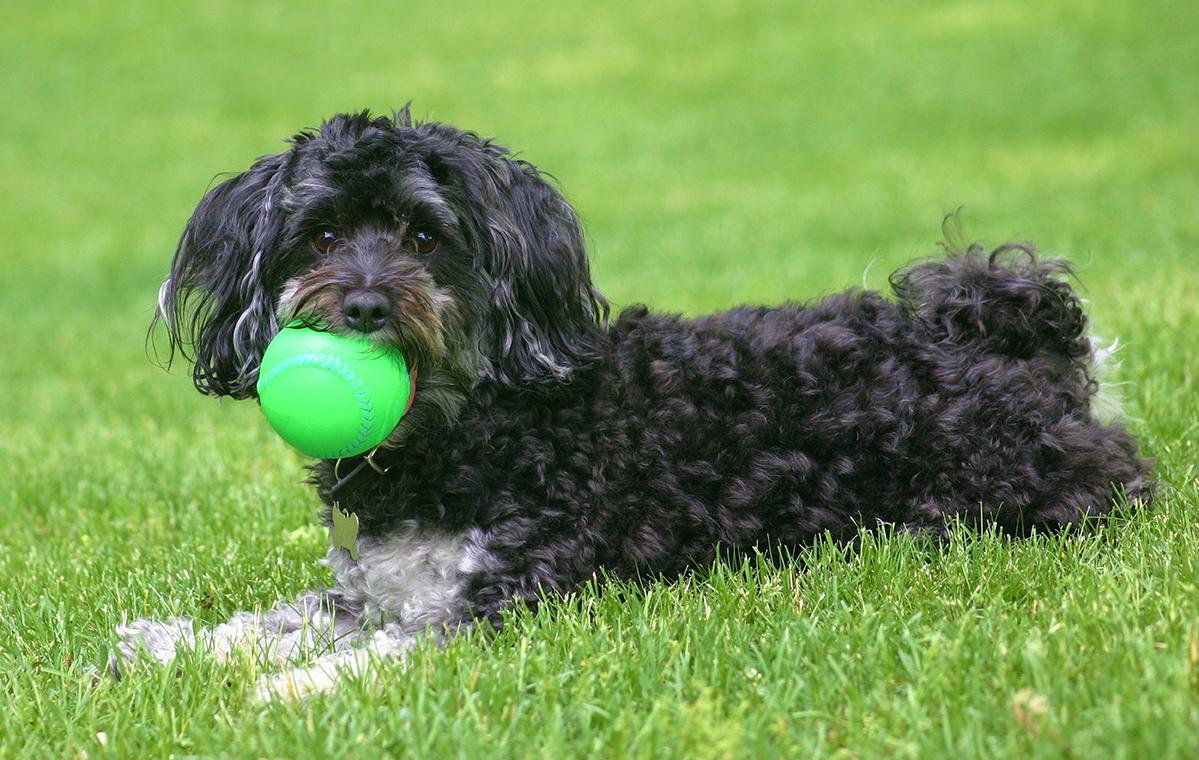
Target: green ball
{"x":330,"y":395}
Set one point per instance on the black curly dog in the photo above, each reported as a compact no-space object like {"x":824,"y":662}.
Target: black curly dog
{"x":547,"y":443}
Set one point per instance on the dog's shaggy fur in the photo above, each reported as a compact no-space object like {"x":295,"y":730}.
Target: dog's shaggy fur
{"x":547,"y":444}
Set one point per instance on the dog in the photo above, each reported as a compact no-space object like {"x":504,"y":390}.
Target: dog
{"x":549,"y":442}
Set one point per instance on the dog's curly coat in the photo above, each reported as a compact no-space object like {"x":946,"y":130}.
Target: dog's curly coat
{"x":546,"y":444}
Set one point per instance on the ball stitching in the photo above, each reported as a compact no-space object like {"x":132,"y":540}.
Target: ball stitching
{"x":346,"y":373}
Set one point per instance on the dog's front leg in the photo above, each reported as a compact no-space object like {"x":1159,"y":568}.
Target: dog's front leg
{"x":314,"y":623}
{"x":324,"y":674}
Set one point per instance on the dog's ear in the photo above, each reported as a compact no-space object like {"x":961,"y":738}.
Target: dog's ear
{"x":216,"y":303}
{"x":545,"y":314}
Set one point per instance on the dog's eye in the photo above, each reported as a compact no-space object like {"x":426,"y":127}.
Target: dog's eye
{"x":324,"y":240}
{"x":422,"y":241}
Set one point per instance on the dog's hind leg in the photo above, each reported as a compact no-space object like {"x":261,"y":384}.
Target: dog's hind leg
{"x":1084,"y":469}
{"x":1072,"y":470}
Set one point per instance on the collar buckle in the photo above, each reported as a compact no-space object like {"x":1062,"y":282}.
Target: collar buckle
{"x":370,"y":459}
{"x":345,"y":484}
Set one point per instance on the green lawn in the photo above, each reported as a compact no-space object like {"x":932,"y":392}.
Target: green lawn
{"x":718,"y":153}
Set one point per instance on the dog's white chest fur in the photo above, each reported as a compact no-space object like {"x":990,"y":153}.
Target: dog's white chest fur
{"x":414,"y":577}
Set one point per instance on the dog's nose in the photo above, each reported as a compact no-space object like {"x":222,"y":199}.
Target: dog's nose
{"x":365,"y":310}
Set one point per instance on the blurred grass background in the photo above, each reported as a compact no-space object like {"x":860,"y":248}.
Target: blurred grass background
{"x":719,"y":153}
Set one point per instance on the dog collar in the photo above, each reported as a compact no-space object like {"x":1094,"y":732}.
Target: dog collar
{"x":343,"y":533}
{"x":358,"y":470}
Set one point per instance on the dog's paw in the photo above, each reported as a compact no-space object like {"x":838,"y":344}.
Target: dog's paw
{"x":299,"y":683}
{"x":328,"y":672}
{"x":158,"y":639}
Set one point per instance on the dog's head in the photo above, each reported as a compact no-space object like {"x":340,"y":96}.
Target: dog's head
{"x":418,"y":236}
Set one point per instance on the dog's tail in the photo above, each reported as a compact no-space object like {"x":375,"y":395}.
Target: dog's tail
{"x":1008,"y":302}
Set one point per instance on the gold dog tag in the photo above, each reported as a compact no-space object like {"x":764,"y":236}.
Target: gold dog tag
{"x":344,"y":533}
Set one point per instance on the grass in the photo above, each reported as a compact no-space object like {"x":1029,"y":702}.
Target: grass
{"x":719,"y":153}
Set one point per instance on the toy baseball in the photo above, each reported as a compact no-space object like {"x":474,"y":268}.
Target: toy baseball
{"x":330,"y":395}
